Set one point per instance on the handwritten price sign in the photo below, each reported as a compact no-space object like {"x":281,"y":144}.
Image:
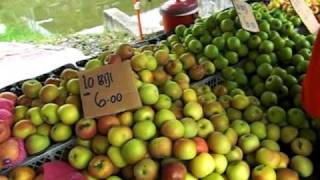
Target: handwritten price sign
{"x":246,"y":16}
{"x":108,"y":90}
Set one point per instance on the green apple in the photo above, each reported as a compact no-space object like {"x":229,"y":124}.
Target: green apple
{"x":240,"y":101}
{"x":288,"y":134}
{"x":238,"y":170}
{"x":205,"y":127}
{"x":301,"y":146}
{"x":189,"y":177}
{"x":20,"y":112}
{"x":49,"y":113}
{"x":146,"y":169}
{"x":99,"y":144}
{"x":114,"y":153}
{"x":60,"y":132}
{"x":93,"y":64}
{"x":164,"y":115}
{"x":219,"y":143}
{"x":241,"y":127}
{"x":31,"y":88}
{"x":202,"y":165}
{"x":235,"y":154}
{"x":220,"y":122}
{"x":284,"y":160}
{"x":68,"y":114}
{"x":79,"y":157}
{"x":287,"y":174}
{"x":273,"y":132}
{"x":48,"y":93}
{"x":149,"y":94}
{"x":212,"y":108}
{"x":23,"y":129}
{"x":83,"y":142}
{"x":232,"y":136}
{"x":234,"y":114}
{"x":35,"y":116}
{"x":44,"y":129}
{"x":253,"y":113}
{"x":193,"y":110}
{"x":160,"y":147}
{"x":214,"y":176}
{"x":302,"y":165}
{"x":143,"y":113}
{"x":190,"y":127}
{"x":268,"y":157}
{"x":263,"y":172}
{"x":36,"y":143}
{"x":133,"y":150}
{"x":172,"y":129}
{"x":276,"y":114}
{"x":144,"y":130}
{"x":164,"y":102}
{"x":139,"y":62}
{"x":184,"y":149}
{"x":270,"y":144}
{"x":118,"y":135}
{"x":189,"y":95}
{"x":259,"y":129}
{"x":221,"y":163}
{"x":173,"y":90}
{"x":249,"y":143}
{"x":146,"y":76}
{"x":101,"y":167}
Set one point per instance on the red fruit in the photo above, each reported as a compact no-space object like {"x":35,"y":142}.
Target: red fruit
{"x":106,"y":122}
{"x":6,"y":116}
{"x":125,"y":51}
{"x":86,"y":128}
{"x":6,"y":104}
{"x":5,"y":131}
{"x":173,"y":171}
{"x":12,"y":153}
{"x":202,"y":146}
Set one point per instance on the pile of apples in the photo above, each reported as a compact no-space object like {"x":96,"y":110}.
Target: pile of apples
{"x":285,"y":5}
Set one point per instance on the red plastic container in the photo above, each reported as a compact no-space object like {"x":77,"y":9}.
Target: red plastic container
{"x":175,"y":12}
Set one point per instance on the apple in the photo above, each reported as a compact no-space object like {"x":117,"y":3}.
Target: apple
{"x":23,"y":129}
{"x":160,"y":147}
{"x":164,"y":115}
{"x":189,"y":177}
{"x":86,"y":128}
{"x":73,"y":86}
{"x":276,"y":114}
{"x":35,"y":116}
{"x":301,"y":146}
{"x":235,"y":154}
{"x":149,"y":94}
{"x":205,"y":127}
{"x":48,"y":93}
{"x":259,"y":129}
{"x":190,"y":127}
{"x":37,"y":103}
{"x":240,"y":101}
{"x":284,"y":160}
{"x":234,"y":114}
{"x":79,"y":157}
{"x":220,"y":122}
{"x":5,"y":131}
{"x":214,"y":176}
{"x":106,"y":122}
{"x":24,"y":100}
{"x":101,"y":167}
{"x":164,"y":102}
{"x":146,"y":76}
{"x":221,"y":163}
{"x":144,"y":130}
{"x":241,"y":127}
{"x":173,"y":90}
{"x":253,"y":113}
{"x":75,"y":100}
{"x":219,"y":143}
{"x":22,"y":173}
{"x":125,"y":51}
{"x":36,"y":143}
{"x":296,"y":117}
{"x":127,"y":172}
{"x":133,"y":150}
{"x":49,"y":113}
{"x":212,"y":108}
{"x":268,"y":157}
{"x":93,"y":64}
{"x":263,"y":172}
{"x":174,"y":67}
{"x":162,"y":56}
{"x":83,"y":142}
{"x":232,"y":136}
{"x":114,"y":153}
{"x":118,"y":135}
{"x":68,"y":114}
{"x":69,"y":73}
{"x":184,"y":149}
{"x":288,"y":134}
{"x":189,"y":95}
{"x":193,"y":110}
{"x":238,"y":170}
{"x":273,"y":132}
{"x":99,"y":144}
{"x":270,"y":144}
{"x":60,"y":132}
{"x":139,"y":62}
{"x":159,"y":77}
{"x":31,"y":88}
{"x":44,"y":129}
{"x":173,"y":170}
{"x":20,"y":112}
{"x":201,"y":144}
{"x":249,"y":143}
{"x":143,"y":113}
{"x":146,"y":169}
{"x":126,"y":118}
{"x":9,"y":95}
{"x":287,"y":174}
{"x":302,"y":165}
{"x":152,"y":62}
{"x":202,"y":165}
{"x":88,"y":176}
{"x":172,"y":129}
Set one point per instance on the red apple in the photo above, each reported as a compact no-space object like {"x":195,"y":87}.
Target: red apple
{"x":101,"y":167}
{"x":201,"y":144}
{"x":106,"y":122}
{"x":5,"y":131}
{"x":173,"y":171}
{"x":86,"y":128}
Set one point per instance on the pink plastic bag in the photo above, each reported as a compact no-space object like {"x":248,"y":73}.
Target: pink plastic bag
{"x":60,"y":170}
{"x":6,"y":116}
{"x":6,"y":104}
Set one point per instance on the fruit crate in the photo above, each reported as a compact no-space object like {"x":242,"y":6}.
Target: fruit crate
{"x":55,"y":152}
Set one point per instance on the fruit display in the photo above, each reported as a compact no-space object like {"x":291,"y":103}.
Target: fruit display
{"x":250,"y":126}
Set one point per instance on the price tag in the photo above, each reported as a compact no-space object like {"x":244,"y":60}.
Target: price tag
{"x":306,"y":15}
{"x":246,"y":16}
{"x":108,"y":90}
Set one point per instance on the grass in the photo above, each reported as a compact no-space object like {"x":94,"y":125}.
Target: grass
{"x":20,"y":33}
